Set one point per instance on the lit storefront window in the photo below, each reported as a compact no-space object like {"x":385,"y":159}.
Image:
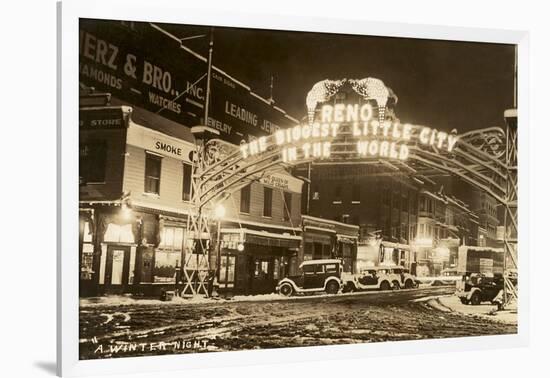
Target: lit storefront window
{"x":87,"y":254}
{"x":119,"y":233}
{"x":227,"y":271}
{"x":168,"y":254}
{"x":276,"y":268}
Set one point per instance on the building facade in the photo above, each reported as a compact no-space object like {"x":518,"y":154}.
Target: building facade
{"x":486,"y":209}
{"x":384,"y":207}
{"x":137,"y":108}
{"x":260,"y":236}
{"x":444,"y":224}
{"x":134,"y":199}
{"x":326,"y":239}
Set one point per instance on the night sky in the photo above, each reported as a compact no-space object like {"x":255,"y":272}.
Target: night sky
{"x":440,"y":84}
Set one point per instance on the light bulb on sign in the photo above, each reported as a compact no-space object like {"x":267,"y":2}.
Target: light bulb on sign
{"x":320,"y":92}
{"x":373,"y":89}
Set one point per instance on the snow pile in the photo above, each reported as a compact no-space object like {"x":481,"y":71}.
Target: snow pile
{"x":123,"y":300}
{"x":258,"y":297}
{"x":485,"y":310}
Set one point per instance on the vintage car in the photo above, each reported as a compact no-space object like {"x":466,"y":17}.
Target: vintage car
{"x":380,"y":278}
{"x":448,"y":277}
{"x":315,"y":276}
{"x":482,"y":287}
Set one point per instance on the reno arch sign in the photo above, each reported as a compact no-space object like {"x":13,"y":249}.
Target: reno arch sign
{"x":375,"y":137}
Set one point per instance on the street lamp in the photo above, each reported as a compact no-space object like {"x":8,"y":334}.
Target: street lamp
{"x":219,"y":213}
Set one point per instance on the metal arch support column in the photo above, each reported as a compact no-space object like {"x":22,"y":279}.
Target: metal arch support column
{"x":511,"y":205}
{"x":196,"y":265}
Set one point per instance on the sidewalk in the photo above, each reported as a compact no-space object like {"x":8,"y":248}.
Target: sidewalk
{"x":452,"y":303}
{"x":127,"y":300}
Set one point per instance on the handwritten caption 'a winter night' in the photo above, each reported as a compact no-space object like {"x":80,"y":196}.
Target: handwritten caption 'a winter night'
{"x":161,"y":346}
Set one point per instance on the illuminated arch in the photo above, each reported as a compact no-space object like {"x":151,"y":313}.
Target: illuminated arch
{"x":485,"y":158}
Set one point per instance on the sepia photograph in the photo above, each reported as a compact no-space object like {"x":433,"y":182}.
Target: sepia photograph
{"x":245,"y":189}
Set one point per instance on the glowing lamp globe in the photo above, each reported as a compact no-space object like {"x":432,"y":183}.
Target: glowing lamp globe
{"x":219,"y":211}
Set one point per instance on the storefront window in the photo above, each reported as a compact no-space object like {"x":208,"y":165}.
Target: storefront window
{"x":261,"y":269}
{"x":265,"y":266}
{"x":227,"y":270}
{"x":168,"y":254}
{"x":87,"y":254}
{"x":165,"y":266}
{"x":119,"y":233}
{"x":276,"y":268}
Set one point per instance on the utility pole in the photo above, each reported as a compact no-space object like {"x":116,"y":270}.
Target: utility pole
{"x":271,"y":91}
{"x":308,"y":188}
{"x":208,"y":76}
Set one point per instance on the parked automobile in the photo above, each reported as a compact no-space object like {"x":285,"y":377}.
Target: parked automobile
{"x":315,"y":276}
{"x":448,"y":277}
{"x":380,"y":278}
{"x":475,"y":288}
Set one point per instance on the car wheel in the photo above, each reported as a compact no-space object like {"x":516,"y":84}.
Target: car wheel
{"x":385,"y":286}
{"x":286,"y":289}
{"x":475,"y":299}
{"x":332,"y":287}
{"x":409,"y":284}
{"x":464,"y":300}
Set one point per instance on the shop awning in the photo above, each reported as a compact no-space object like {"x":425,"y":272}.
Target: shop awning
{"x":387,"y":244}
{"x":313,"y":228}
{"x":269,"y":239}
{"x":348,"y":239}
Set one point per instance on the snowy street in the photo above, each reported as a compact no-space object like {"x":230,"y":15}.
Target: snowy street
{"x":154,"y":328}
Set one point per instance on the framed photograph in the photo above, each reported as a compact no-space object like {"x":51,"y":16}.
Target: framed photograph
{"x":285,"y":188}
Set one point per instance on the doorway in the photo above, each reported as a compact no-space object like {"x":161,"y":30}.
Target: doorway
{"x":260,"y":270}
{"x":117,"y":268}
